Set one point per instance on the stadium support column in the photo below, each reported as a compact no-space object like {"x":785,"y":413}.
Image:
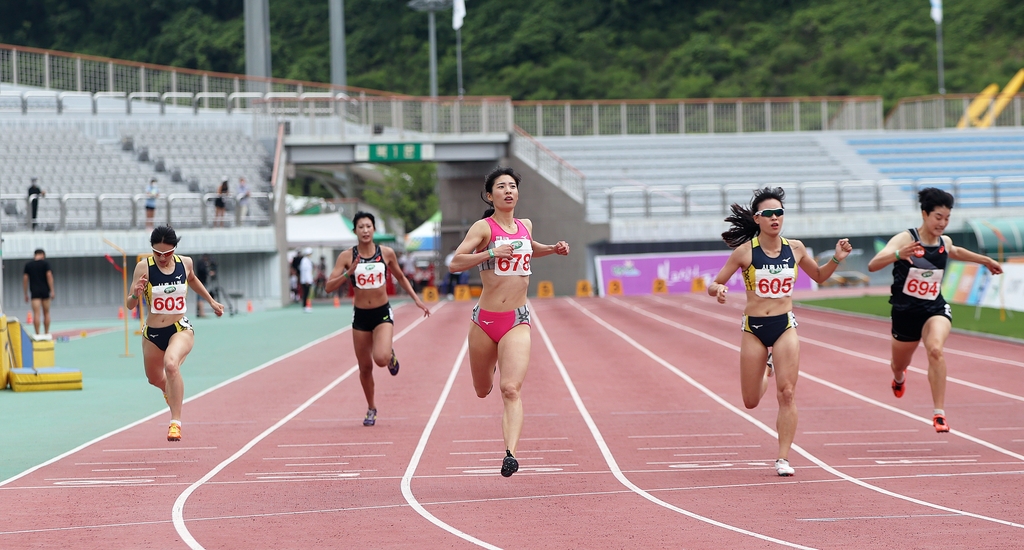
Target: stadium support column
{"x":257,"y":42}
{"x":337,"y":22}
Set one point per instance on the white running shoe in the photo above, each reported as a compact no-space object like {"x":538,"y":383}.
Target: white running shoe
{"x":783,"y":468}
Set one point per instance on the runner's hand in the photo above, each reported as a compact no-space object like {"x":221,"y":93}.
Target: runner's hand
{"x":843,"y":249}
{"x":562,"y":248}
{"x":720,"y":293}
{"x":503,"y":251}
{"x":140,"y":287}
{"x":218,"y":308}
{"x":424,"y":307}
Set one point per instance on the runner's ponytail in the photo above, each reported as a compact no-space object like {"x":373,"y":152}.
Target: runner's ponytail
{"x":743,"y":226}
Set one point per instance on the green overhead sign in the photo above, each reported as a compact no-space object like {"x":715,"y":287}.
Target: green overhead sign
{"x":394,"y":152}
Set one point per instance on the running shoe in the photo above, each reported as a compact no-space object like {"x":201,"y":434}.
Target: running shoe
{"x":393,"y":364}
{"x":783,"y":468}
{"x":771,"y":365}
{"x":510,"y":465}
{"x":939,"y":421}
{"x":174,"y":432}
{"x":898,"y":387}
{"x":371,"y":417}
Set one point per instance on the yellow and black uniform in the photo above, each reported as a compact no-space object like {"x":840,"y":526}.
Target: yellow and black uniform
{"x":165,"y":295}
{"x":770,"y":278}
{"x":917,"y":290}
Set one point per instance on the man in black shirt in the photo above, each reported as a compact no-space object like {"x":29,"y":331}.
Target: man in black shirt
{"x":34,"y":192}
{"x":38,"y":279}
{"x":203,"y":269}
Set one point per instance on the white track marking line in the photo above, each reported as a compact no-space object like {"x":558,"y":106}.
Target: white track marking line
{"x":178,"y":510}
{"x":414,"y":462}
{"x":849,"y":352}
{"x":768,"y":430}
{"x":842,"y":389}
{"x":164,"y":410}
{"x":879,"y":335}
{"x":613,"y":464}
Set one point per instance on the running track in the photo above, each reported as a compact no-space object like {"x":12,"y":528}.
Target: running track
{"x":635,"y":436}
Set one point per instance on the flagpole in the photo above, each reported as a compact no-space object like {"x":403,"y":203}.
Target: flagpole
{"x":458,"y":60}
{"x":938,"y":43}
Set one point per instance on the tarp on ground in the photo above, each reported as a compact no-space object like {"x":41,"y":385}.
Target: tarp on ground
{"x":326,"y":230}
{"x":424,"y":237}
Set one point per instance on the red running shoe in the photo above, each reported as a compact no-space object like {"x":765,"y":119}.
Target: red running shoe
{"x":898,"y":387}
{"x":939,"y":421}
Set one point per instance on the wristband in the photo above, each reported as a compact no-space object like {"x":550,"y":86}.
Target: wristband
{"x":490,"y":252}
{"x":133,"y":297}
{"x":835,"y":260}
{"x":897,"y":254}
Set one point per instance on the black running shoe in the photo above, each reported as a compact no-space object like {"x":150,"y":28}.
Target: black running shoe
{"x":371,"y":417}
{"x":510,"y":465}
{"x":393,"y":364}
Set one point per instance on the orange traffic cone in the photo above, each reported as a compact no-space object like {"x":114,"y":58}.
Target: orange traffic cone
{"x":248,"y":306}
{"x":28,"y":317}
{"x":120,"y":313}
{"x":337,"y":301}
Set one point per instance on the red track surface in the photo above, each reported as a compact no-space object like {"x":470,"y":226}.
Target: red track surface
{"x":635,"y":436}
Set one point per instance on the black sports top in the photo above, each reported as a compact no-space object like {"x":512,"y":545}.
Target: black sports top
{"x":373,"y":271}
{"x":928,"y":283}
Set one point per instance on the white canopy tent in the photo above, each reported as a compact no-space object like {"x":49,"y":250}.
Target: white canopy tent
{"x":319,"y":230}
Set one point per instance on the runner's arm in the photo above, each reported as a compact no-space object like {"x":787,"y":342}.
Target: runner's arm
{"x":964,"y":255}
{"x":466,"y":255}
{"x":899,"y":247}
{"x":340,"y":271}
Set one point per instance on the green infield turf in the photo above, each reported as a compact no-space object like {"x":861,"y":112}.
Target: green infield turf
{"x":988,"y":320}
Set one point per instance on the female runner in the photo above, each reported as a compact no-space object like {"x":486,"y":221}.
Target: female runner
{"x":499,"y":335}
{"x":369,"y":265}
{"x":164,"y":279}
{"x":919,"y":312}
{"x":769,"y":262}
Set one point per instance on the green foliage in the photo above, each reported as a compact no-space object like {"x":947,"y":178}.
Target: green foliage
{"x":567,"y":49}
{"x":408,"y":192}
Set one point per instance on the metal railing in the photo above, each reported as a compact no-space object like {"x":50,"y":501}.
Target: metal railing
{"x":815,"y":196}
{"x":697,"y":116}
{"x":549,"y":165}
{"x":81,"y":211}
{"x":936,"y":112}
{"x":63,"y":71}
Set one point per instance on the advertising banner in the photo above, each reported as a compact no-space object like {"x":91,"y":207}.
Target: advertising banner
{"x":636,"y":272}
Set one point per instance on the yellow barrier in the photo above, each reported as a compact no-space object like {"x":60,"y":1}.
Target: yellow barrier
{"x":615,"y":287}
{"x":7,"y":358}
{"x":583,"y":289}
{"x":659,"y":287}
{"x":545,"y":289}
{"x":462,"y":293}
{"x":698,"y":285}
{"x":430,"y":294}
{"x":1004,"y":99}
{"x":978,"y":107}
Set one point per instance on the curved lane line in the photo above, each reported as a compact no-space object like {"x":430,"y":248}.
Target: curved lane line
{"x":806,"y":454}
{"x":414,"y":462}
{"x":164,"y":410}
{"x":178,"y":510}
{"x":613,"y":464}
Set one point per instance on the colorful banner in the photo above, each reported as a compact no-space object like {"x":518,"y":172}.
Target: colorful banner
{"x":970,"y":284}
{"x":636,"y":272}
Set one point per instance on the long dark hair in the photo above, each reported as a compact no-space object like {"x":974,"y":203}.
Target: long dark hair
{"x":360,"y":215}
{"x":163,"y":234}
{"x":742,"y":221}
{"x":489,"y":185}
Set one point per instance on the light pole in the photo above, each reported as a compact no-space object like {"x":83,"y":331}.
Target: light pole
{"x":431,"y":6}
{"x":936,"y":14}
{"x":336,"y":15}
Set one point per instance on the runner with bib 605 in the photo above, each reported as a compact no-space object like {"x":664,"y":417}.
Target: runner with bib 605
{"x":919,"y":312}
{"x":769,"y":264}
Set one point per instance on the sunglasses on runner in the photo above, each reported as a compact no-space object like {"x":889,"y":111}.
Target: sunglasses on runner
{"x":771,"y":212}
{"x":163,"y":254}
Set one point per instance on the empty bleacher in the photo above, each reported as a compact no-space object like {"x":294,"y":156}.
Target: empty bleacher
{"x":951,"y":154}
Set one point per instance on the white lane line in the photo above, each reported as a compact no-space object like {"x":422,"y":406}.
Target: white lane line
{"x":164,"y":411}
{"x":335,"y":444}
{"x":768,"y":430}
{"x":178,"y":510}
{"x":414,"y":462}
{"x":682,"y":435}
{"x":613,"y":464}
{"x":157,"y":449}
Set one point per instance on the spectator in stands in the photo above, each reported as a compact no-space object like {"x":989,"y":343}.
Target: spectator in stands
{"x":38,"y":280}
{"x":218,"y":203}
{"x":34,"y":192}
{"x":306,"y":279}
{"x":769,"y":263}
{"x":243,"y":200}
{"x":152,"y":192}
{"x":919,"y":312}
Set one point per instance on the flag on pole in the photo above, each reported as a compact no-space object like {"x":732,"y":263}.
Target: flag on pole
{"x":113,"y":263}
{"x":937,"y":11}
{"x":459,"y":13}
